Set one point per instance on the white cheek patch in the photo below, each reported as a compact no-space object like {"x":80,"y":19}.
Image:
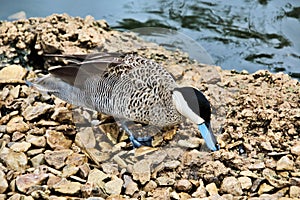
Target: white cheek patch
{"x":184,"y":109}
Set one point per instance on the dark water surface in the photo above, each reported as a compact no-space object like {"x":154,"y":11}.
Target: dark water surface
{"x":238,"y":34}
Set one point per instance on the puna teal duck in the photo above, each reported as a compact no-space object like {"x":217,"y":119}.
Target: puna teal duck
{"x":131,"y":88}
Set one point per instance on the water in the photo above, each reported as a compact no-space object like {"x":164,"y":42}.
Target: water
{"x":239,"y":35}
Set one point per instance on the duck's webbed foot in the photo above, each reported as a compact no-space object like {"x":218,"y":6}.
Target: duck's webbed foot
{"x":137,"y":138}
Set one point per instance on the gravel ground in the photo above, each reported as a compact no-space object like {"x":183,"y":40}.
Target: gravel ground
{"x":52,"y":150}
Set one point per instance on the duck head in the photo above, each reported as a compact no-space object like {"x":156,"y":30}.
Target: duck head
{"x":192,"y":104}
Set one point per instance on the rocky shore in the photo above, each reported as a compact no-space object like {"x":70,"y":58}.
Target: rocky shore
{"x":52,"y":150}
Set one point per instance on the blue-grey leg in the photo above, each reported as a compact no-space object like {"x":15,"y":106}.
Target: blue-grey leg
{"x":136,"y":141}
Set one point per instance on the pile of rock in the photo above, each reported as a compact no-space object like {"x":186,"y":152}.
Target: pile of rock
{"x":50,"y":150}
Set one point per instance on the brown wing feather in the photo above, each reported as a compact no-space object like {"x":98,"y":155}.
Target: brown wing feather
{"x":84,"y":66}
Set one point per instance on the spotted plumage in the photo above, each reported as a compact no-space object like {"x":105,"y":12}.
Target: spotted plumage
{"x":127,"y":87}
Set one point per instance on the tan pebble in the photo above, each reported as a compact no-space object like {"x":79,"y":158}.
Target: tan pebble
{"x":141,"y":171}
{"x":35,"y":151}
{"x":43,"y":122}
{"x":20,"y":146}
{"x":12,"y":74}
{"x":174,"y":195}
{"x":62,"y":114}
{"x":212,"y":189}
{"x":295,"y":191}
{"x":76,"y":159}
{"x":274,"y":179}
{"x":16,"y":160}
{"x":184,"y":196}
{"x":114,"y":197}
{"x":285,"y":163}
{"x":232,"y":186}
{"x":24,"y":182}
{"x":14,"y":92}
{"x":267,"y":146}
{"x":84,"y":169}
{"x":246,"y":182}
{"x":150,"y":186}
{"x":96,"y":177}
{"x":165,"y":181}
{"x":17,"y":124}
{"x":69,"y":170}
{"x":37,"y":160}
{"x":17,"y":136}
{"x":183,"y":185}
{"x":257,"y":165}
{"x":200,"y":191}
{"x":57,"y":158}
{"x":38,"y":109}
{"x":52,"y":180}
{"x":119,"y":161}
{"x":38,"y":141}
{"x":57,"y":140}
{"x":97,"y":156}
{"x":248,"y":174}
{"x":143,"y":150}
{"x":85,"y":138}
{"x":114,"y":186}
{"x":130,"y":186}
{"x":265,"y":188}
{"x":3,"y":182}
{"x":67,"y":187}
{"x":173,"y":164}
{"x":296,"y":149}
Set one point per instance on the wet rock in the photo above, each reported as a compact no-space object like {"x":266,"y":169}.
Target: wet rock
{"x":183,"y":185}
{"x":67,"y":187}
{"x":212,"y":189}
{"x":35,"y":111}
{"x":20,"y":146}
{"x":295,"y":191}
{"x":57,"y":158}
{"x":285,"y":163}
{"x":246,"y":182}
{"x":17,"y":124}
{"x":57,"y":140}
{"x":12,"y":74}
{"x":3,"y":182}
{"x":141,"y":171}
{"x":232,"y":186}
{"x":114,"y":186}
{"x":26,"y":181}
